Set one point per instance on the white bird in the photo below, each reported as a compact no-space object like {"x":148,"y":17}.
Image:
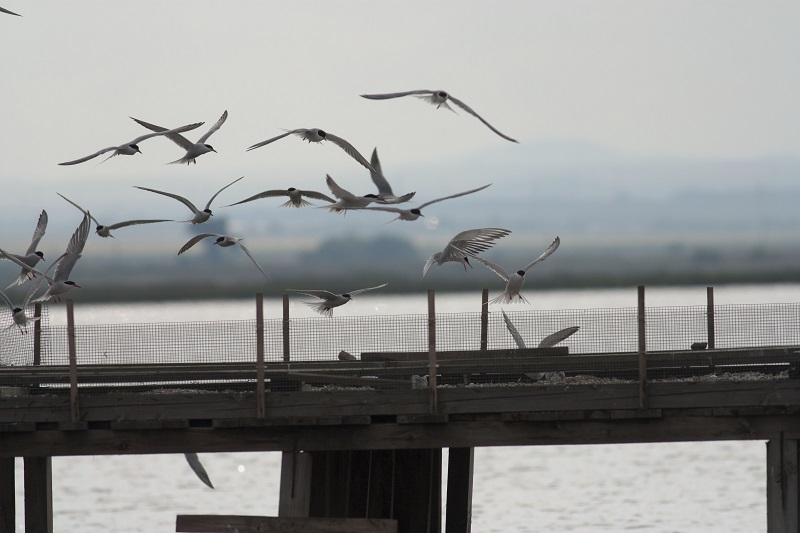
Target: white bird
{"x":439,"y":99}
{"x":317,"y":135}
{"x":516,"y":280}
{"x":60,"y":282}
{"x":330,"y":300}
{"x":471,"y":241}
{"x":32,"y":255}
{"x":295,"y":197}
{"x":223,"y":241}
{"x":385,"y":194}
{"x":345,"y":199}
{"x":132,"y":147}
{"x":20,"y":319}
{"x":4,"y":10}
{"x":415,"y":213}
{"x":105,"y":231}
{"x":199,"y":216}
{"x":193,"y":150}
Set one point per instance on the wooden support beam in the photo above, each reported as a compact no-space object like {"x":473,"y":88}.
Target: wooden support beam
{"x":269,"y":524}
{"x":37,"y":334}
{"x":710,"y":312}
{"x":642,"y":349}
{"x":73,"y":364}
{"x":484,"y":319}
{"x":286,"y":355}
{"x":38,"y":477}
{"x":260,"y":386}
{"x":783,"y":513}
{"x":418,"y":490}
{"x":460,"y":465}
{"x":432,"y":366}
{"x":295,"y":492}
{"x":8,"y":505}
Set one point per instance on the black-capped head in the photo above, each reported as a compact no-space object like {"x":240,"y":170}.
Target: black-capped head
{"x":72,"y":284}
{"x":211,"y":148}
{"x":135,"y":148}
{"x":322,"y":134}
{"x":346,"y":295}
{"x":16,"y":310}
{"x":100,"y":228}
{"x":207,"y":211}
{"x":40,"y":254}
{"x":219,"y":240}
{"x":291,"y":189}
{"x":416,"y":212}
{"x":370,"y":195}
{"x":521,"y":273}
{"x":442,"y":94}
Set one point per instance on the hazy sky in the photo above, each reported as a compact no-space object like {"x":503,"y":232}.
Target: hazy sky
{"x":697,"y":78}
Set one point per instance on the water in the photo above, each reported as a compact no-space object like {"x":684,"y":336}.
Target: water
{"x":658,"y":488}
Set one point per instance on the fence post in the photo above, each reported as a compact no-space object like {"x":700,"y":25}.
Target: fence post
{"x":37,"y":334}
{"x":432,"y":351}
{"x":710,"y":314}
{"x":73,"y":364}
{"x":642,"y":349}
{"x":260,"y":388}
{"x":286,"y":328}
{"x":485,"y":319}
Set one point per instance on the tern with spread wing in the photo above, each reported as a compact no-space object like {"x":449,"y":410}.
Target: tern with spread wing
{"x":439,"y":99}
{"x":345,"y":199}
{"x":415,"y":213}
{"x":515,"y":281}
{"x":330,"y":300}
{"x":32,"y":255}
{"x":193,"y":150}
{"x":548,"y":342}
{"x":60,"y":282}
{"x":18,"y":315}
{"x":471,"y":241}
{"x":385,"y":194}
{"x":295,"y":197}
{"x":105,"y":231}
{"x":223,"y":241}
{"x":132,"y":147}
{"x":317,"y":135}
{"x":199,"y":216}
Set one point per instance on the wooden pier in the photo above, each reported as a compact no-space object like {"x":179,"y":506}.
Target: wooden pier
{"x":362,"y":447}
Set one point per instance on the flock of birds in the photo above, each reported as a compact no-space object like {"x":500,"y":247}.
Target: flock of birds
{"x":461,"y":248}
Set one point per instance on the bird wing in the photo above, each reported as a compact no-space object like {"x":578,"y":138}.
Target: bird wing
{"x":214,"y":128}
{"x":137,"y":222}
{"x":317,"y":196}
{"x":188,"y":127}
{"x":197,"y":468}
{"x":4,"y":10}
{"x":18,"y":261}
{"x":82,"y":210}
{"x":513,"y":330}
{"x":550,"y":249}
{"x":181,"y":199}
{"x":385,"y":208}
{"x":469,"y":110}
{"x":337,"y":191}
{"x":38,"y":233}
{"x":359,"y":291}
{"x":474,"y":241}
{"x":554,"y":338}
{"x":281,"y":136}
{"x":266,"y":194}
{"x":74,"y":249}
{"x":350,"y":150}
{"x":325,"y":295}
{"x":177,"y":138}
{"x":377,"y":175}
{"x":253,"y":259}
{"x":88,"y":157}
{"x":386,"y":96}
{"x":429,"y":263}
{"x":194,"y":240}
{"x":494,"y":267}
{"x":453,"y":196}
{"x":208,"y":205}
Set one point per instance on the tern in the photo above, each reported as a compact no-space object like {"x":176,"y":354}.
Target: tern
{"x":330,"y":300}
{"x":345,"y":199}
{"x":385,"y":194}
{"x":4,"y":10}
{"x":415,"y":213}
{"x":199,"y":216}
{"x":60,"y":282}
{"x":516,"y":280}
{"x":105,"y":231}
{"x":548,"y":342}
{"x":317,"y":135}
{"x":20,"y":319}
{"x":295,"y":197}
{"x":132,"y":147}
{"x":471,"y":241}
{"x":32,"y":255}
{"x":223,"y":241}
{"x":439,"y":99}
{"x":193,"y":150}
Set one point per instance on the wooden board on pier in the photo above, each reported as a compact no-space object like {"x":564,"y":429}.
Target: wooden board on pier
{"x":272,"y":524}
{"x":467,"y":354}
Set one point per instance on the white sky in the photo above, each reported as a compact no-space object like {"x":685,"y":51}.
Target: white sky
{"x":716,"y":79}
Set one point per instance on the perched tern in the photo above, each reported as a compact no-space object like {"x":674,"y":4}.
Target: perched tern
{"x":345,"y":199}
{"x":330,"y":300}
{"x":4,"y":10}
{"x":295,"y":197}
{"x":439,"y":99}
{"x":132,"y":147}
{"x":199,"y":216}
{"x":516,"y":280}
{"x":415,"y":213}
{"x":548,"y":342}
{"x":60,"y":282}
{"x":193,"y":150}
{"x":317,"y":135}
{"x":32,"y":255}
{"x":224,"y":241}
{"x":105,"y":231}
{"x":385,"y":194}
{"x":471,"y":241}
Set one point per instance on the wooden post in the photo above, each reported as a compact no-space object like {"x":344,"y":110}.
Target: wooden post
{"x":38,"y":478}
{"x":37,"y":334}
{"x":260,"y":387}
{"x":782,"y":485}
{"x":73,"y":364}
{"x":460,"y":465}
{"x":432,"y":366}
{"x":286,"y":327}
{"x":295,"y":491}
{"x":484,"y":319}
{"x":642,"y":349}
{"x":710,"y":313}
{"x":8,"y":504}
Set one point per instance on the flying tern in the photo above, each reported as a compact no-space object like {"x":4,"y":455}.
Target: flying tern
{"x":193,"y":150}
{"x":295,"y":197}
{"x":20,"y":319}
{"x":415,"y":213}
{"x":224,"y":241}
{"x":439,"y":99}
{"x":60,"y":282}
{"x":132,"y":147}
{"x":199,"y":216}
{"x":471,"y":241}
{"x":515,"y":281}
{"x":345,"y":199}
{"x":32,"y":255}
{"x":330,"y":300}
{"x":385,"y":194}
{"x":105,"y":231}
{"x":4,"y":10}
{"x":317,"y":135}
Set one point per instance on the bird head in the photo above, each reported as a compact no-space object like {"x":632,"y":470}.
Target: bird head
{"x":40,"y":254}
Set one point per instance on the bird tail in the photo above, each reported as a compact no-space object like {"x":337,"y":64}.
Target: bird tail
{"x":321,"y":308}
{"x":303,"y":203}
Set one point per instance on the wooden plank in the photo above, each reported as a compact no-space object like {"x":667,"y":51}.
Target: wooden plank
{"x":642,"y":356}
{"x":73,"y":364}
{"x":267,"y":524}
{"x":8,"y":505}
{"x":782,"y":485}
{"x":295,"y":488}
{"x":352,"y":381}
{"x":418,"y":490}
{"x":466,"y":354}
{"x":260,"y":386}
{"x":460,"y":465}
{"x":432,"y":356}
{"x":38,"y":479}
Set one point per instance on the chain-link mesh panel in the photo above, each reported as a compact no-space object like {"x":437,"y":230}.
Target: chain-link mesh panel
{"x":16,"y":344}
